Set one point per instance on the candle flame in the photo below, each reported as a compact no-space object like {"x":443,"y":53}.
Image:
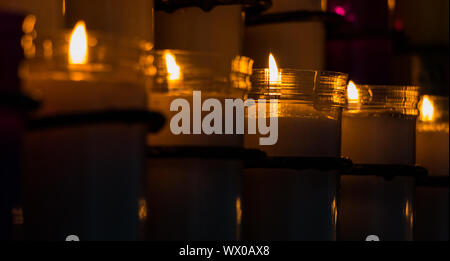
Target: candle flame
{"x":274,"y":75}
{"x":427,"y":110}
{"x":78,"y":45}
{"x":173,"y":69}
{"x":352,"y":92}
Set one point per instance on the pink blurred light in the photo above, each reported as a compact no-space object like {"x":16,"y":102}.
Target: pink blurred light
{"x":340,"y":10}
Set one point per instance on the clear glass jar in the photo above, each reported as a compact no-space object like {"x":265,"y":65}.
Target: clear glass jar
{"x":308,"y":111}
{"x":378,"y":126}
{"x":193,"y":196}
{"x":299,"y":203}
{"x":113,"y":67}
{"x":378,"y":129}
{"x":88,"y":174}
{"x":181,"y":73}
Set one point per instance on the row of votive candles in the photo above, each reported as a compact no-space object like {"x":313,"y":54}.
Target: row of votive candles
{"x":94,"y":180}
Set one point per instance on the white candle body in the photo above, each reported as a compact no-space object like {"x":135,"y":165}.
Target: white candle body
{"x":133,"y":19}
{"x":299,"y":45}
{"x":89,"y":175}
{"x":378,"y":140}
{"x":432,"y":151}
{"x":219,"y":30}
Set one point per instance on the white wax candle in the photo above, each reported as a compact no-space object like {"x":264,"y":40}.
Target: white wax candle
{"x":307,"y":134}
{"x":132,"y":19}
{"x":298,"y":45}
{"x":432,"y":149}
{"x":219,"y":30}
{"x":378,"y":139}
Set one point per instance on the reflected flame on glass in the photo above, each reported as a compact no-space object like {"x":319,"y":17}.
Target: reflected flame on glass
{"x":78,"y":45}
{"x":352,"y":92}
{"x":238,"y":211}
{"x":142,"y":209}
{"x":173,"y":69}
{"x":427,"y":110}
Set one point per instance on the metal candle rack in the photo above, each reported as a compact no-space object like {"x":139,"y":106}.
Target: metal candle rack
{"x":378,"y":200}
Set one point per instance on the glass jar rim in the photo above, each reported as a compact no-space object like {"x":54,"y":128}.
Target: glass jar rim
{"x":399,"y":99}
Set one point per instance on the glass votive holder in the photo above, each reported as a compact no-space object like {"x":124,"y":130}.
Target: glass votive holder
{"x":193,"y":179}
{"x":282,"y":202}
{"x":432,"y":152}
{"x":83,"y":153}
{"x":378,"y":131}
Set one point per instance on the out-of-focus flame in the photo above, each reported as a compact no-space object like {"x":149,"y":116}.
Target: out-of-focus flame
{"x":173,"y":69}
{"x":274,"y":75}
{"x":391,"y":5}
{"x":352,"y":92}
{"x":427,"y":109}
{"x":78,"y":45}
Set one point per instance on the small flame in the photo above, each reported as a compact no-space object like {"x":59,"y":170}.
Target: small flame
{"x":427,"y":110}
{"x":78,"y":47}
{"x":172,"y":67}
{"x":274,"y":75}
{"x":352,"y":92}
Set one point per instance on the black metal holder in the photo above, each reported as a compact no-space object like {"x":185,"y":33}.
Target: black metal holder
{"x":18,"y":101}
{"x":387,"y":171}
{"x":301,"y":163}
{"x":254,"y":6}
{"x":205,"y":152}
{"x":429,"y":181}
{"x":293,"y":16}
{"x":153,"y":120}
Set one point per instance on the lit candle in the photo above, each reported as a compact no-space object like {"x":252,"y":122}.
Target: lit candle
{"x":296,"y":44}
{"x":432,"y":152}
{"x":83,"y":179}
{"x":378,"y":127}
{"x":283,"y":203}
{"x":193,"y":197}
{"x":432,"y":135}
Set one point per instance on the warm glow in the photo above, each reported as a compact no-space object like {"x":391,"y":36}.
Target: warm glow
{"x":173,"y":69}
{"x":274,"y":75}
{"x":391,"y":5}
{"x":427,"y":110}
{"x":238,"y":211}
{"x":352,"y":92}
{"x":78,"y":47}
